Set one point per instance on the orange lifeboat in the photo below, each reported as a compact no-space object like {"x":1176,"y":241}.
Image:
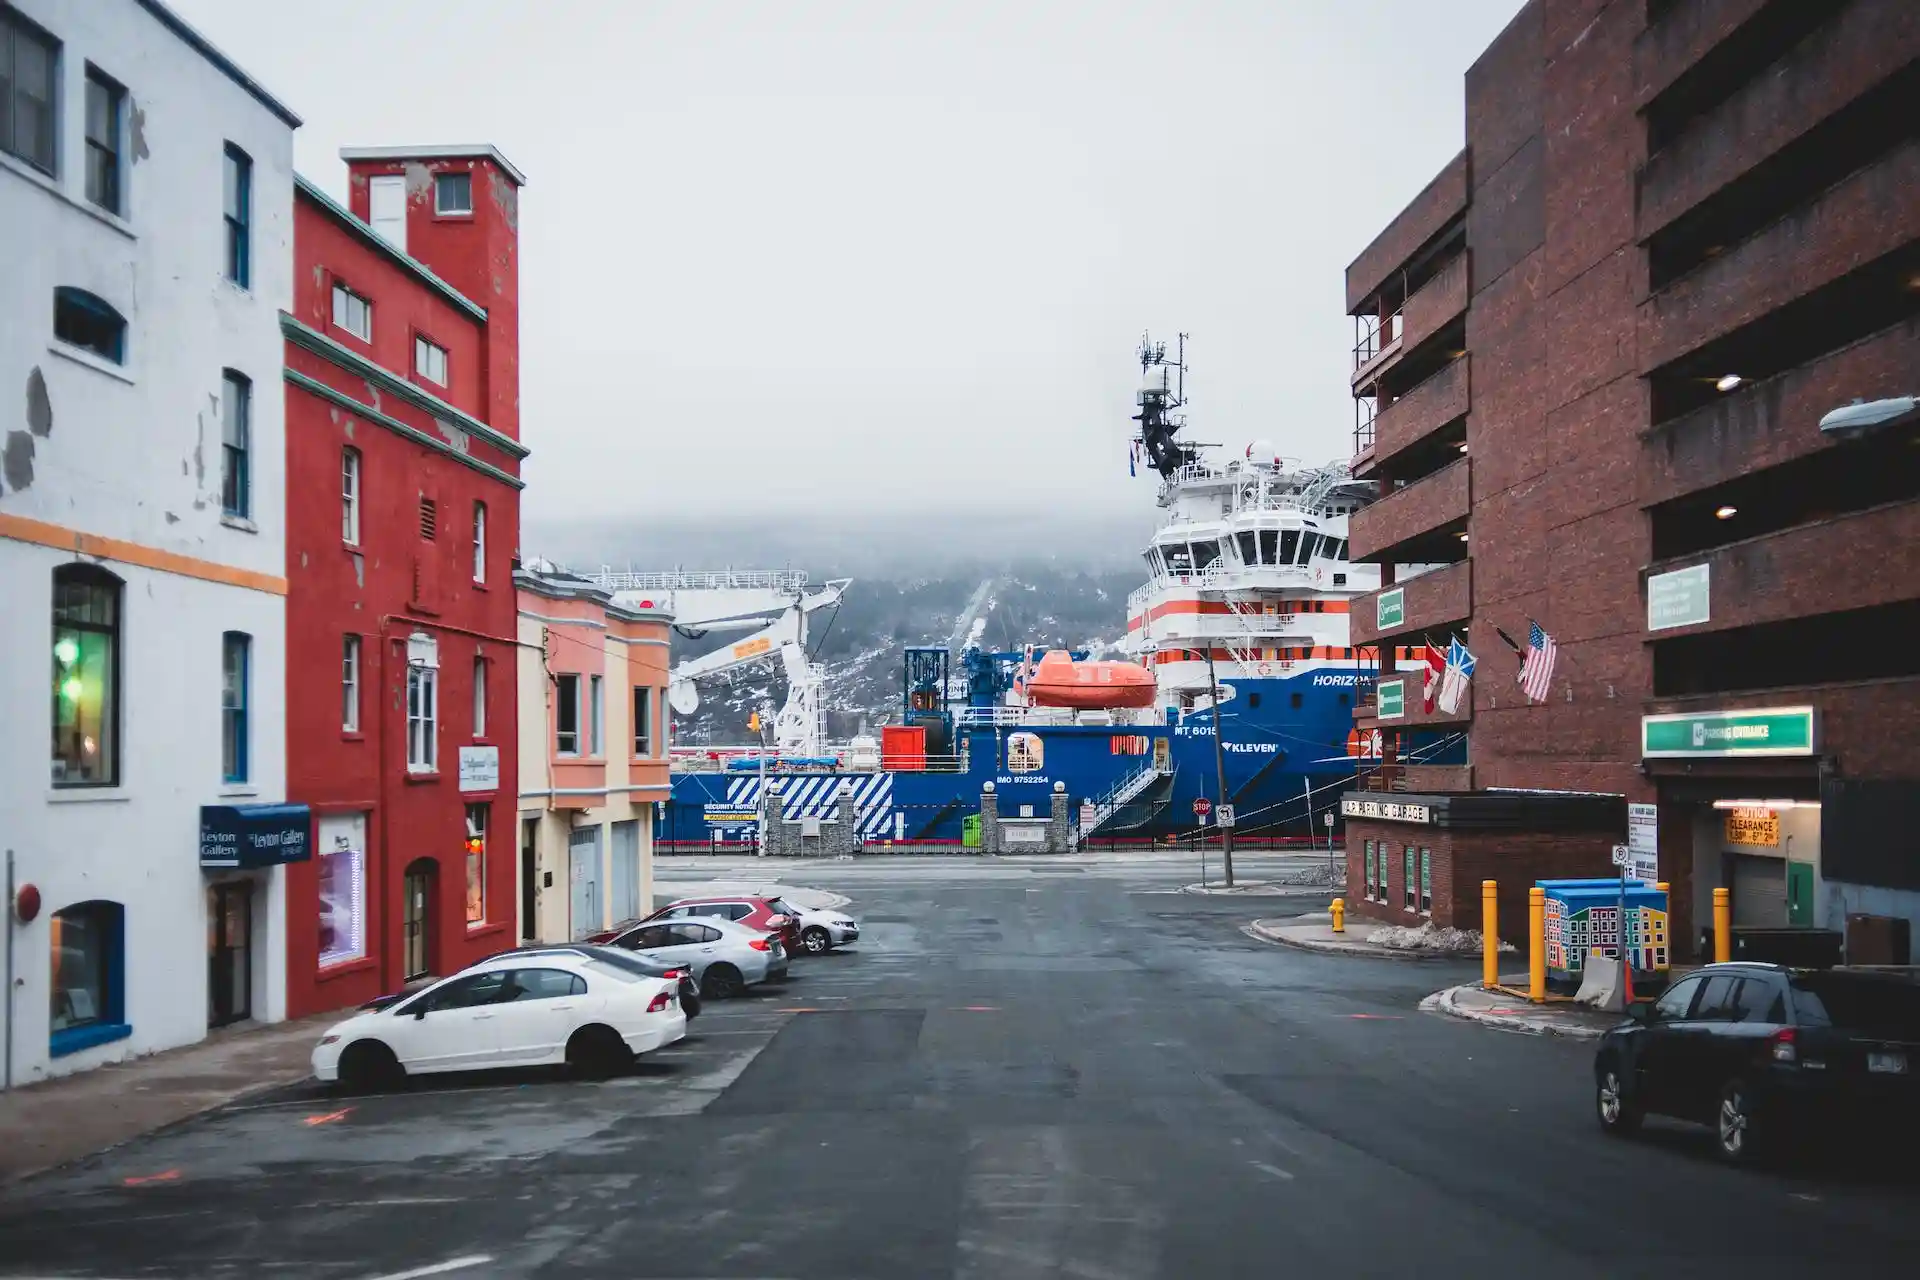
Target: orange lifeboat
{"x":1059,"y":681}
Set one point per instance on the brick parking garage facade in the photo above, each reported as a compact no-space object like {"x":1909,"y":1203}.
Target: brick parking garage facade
{"x":1593,"y":358}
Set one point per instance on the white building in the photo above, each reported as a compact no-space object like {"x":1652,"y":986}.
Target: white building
{"x":146,"y":191}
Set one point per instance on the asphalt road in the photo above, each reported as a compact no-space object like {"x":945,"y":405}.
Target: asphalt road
{"x":1025,"y":1070}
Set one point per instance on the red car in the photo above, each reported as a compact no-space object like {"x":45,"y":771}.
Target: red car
{"x":755,"y":913}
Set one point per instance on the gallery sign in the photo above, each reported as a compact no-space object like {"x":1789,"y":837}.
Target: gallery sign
{"x":240,"y":836}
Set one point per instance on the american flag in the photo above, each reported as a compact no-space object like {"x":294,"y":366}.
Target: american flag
{"x":1436,"y":667}
{"x":1536,"y":671}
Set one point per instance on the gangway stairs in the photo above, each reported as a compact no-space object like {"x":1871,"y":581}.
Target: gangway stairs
{"x":1120,"y":795}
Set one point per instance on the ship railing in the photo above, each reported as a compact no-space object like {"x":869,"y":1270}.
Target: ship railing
{"x":1121,"y":794}
{"x":611,"y":579}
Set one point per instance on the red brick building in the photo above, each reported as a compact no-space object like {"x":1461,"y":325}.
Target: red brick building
{"x":1594,"y":356}
{"x":403,"y":457}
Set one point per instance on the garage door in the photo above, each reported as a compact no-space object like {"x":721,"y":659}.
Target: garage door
{"x":1759,"y":891}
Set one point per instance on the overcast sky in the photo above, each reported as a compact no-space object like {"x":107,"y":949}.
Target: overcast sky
{"x":887,"y":254}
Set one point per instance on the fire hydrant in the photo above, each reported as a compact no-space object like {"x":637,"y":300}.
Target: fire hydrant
{"x":1339,"y":909}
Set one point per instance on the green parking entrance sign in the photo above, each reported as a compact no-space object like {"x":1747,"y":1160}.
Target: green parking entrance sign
{"x":1762,"y":731}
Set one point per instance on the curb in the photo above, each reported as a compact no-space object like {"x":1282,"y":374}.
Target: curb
{"x":1349,"y":950}
{"x":1258,"y":889}
{"x":1447,"y":1004}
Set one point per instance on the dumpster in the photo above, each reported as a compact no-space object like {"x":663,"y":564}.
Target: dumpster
{"x":1584,"y":914}
{"x":1801,"y":947}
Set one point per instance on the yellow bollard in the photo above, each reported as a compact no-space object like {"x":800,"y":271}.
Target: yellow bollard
{"x":1722,"y":925}
{"x":1339,"y":909}
{"x":1537,"y":945}
{"x":1490,"y":931}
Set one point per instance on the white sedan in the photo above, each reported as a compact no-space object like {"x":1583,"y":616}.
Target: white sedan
{"x":508,"y":1011}
{"x":820,"y":931}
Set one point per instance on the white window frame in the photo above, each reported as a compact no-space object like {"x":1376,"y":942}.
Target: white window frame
{"x":350,"y":685}
{"x":343,"y":312}
{"x":597,"y":715}
{"x":480,"y":542}
{"x":479,"y":697}
{"x":560,"y":700}
{"x":430,"y":360}
{"x":423,"y":717}
{"x":350,"y":496}
{"x":643,"y":738}
{"x":443,"y":211}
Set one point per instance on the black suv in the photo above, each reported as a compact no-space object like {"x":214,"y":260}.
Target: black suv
{"x":1758,"y":1051}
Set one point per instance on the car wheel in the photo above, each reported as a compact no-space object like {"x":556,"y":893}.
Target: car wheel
{"x":1617,"y":1112}
{"x":370,"y":1064}
{"x":721,"y":981}
{"x":1734,"y":1130}
{"x":816,"y":941}
{"x":597,"y":1052}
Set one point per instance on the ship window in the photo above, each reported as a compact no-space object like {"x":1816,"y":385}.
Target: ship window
{"x":1204,"y":554}
{"x":1253,"y":702}
{"x":1247,"y":555}
{"x":1269,"y":546}
{"x":1289,"y":546}
{"x":1309,"y":546}
{"x":1293,"y":700}
{"x":1179,"y":560}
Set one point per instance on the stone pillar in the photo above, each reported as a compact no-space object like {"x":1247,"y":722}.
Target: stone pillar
{"x":1059,"y":833}
{"x":844,"y":836}
{"x":775,"y":839}
{"x":989,"y":819}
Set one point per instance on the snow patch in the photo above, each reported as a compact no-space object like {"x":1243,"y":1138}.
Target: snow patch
{"x":1431,"y":937}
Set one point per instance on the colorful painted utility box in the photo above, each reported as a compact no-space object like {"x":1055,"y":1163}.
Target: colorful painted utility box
{"x":1584,"y":914}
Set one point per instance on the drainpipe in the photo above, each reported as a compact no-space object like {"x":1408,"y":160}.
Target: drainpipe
{"x":7,"y":1020}
{"x":380,"y":799}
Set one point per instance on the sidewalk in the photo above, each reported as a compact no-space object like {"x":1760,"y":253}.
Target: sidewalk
{"x":1513,"y":1013}
{"x":55,"y":1122}
{"x":1315,"y":933}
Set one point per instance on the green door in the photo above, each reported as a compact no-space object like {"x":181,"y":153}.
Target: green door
{"x":1799,"y":893}
{"x":970,"y":831}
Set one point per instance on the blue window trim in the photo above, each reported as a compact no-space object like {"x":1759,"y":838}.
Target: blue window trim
{"x":112,"y":1024}
{"x":242,"y":643}
{"x":239,"y":458}
{"x":240,"y":221}
{"x":99,"y":308}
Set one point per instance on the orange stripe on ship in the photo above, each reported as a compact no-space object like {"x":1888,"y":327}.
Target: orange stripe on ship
{"x":1177,"y":607}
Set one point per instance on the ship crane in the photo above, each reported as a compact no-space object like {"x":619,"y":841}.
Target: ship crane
{"x":772,"y":605}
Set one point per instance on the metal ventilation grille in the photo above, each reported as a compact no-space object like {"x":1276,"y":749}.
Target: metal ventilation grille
{"x":429,"y":519}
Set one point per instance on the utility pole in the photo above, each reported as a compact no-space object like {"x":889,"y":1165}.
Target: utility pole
{"x":1220,"y":770}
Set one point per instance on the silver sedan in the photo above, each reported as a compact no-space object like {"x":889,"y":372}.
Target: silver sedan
{"x":725,"y":957}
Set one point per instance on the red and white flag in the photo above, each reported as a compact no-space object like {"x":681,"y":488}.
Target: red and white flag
{"x":1436,"y":668}
{"x":1536,"y":671}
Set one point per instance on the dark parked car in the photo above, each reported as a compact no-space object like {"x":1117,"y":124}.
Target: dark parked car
{"x":1762,"y":1053}
{"x":621,"y":959}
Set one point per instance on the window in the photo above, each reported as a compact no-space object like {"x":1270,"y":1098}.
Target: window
{"x":452,"y":193}
{"x":235,"y":657}
{"x":596,"y":716}
{"x":642,"y":722}
{"x":89,"y":976}
{"x":86,"y":677}
{"x":350,"y":497}
{"x":430,"y":361}
{"x":236,"y":426}
{"x":476,"y":864}
{"x":350,"y":684}
{"x":239,"y":212}
{"x":352,"y":313}
{"x":82,"y":320}
{"x":479,"y":697}
{"x":479,"y":542}
{"x":1409,"y":891}
{"x":104,"y":102}
{"x":546,"y":984}
{"x":1426,"y":882}
{"x":1678,"y":998}
{"x":423,"y":688}
{"x":429,"y":518}
{"x":1294,"y":700}
{"x":28,"y":61}
{"x":566,"y":715}
{"x":341,"y":863}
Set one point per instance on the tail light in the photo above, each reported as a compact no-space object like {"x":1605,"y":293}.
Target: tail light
{"x":659,"y":1002}
{"x":674,"y":975}
{"x":760,"y":944}
{"x":1782,"y":1045}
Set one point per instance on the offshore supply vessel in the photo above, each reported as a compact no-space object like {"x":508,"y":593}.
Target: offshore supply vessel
{"x":1240,"y":631}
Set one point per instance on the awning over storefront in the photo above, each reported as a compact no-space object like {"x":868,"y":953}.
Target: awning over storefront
{"x":254,"y":835}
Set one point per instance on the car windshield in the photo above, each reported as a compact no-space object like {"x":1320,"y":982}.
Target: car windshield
{"x":1871,"y":1006}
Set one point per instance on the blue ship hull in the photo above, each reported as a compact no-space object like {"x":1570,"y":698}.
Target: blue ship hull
{"x":1281,"y":737}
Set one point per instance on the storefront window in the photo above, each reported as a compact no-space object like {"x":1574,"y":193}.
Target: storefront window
{"x":1426,"y":881}
{"x":86,"y":676}
{"x":1411,"y":884}
{"x":1370,"y":869}
{"x":87,"y":970}
{"x":476,"y":865}
{"x":343,"y":899}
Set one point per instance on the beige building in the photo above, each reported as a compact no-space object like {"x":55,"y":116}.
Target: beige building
{"x":593,"y":755}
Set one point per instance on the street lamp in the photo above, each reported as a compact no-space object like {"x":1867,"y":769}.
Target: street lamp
{"x":1219,"y":762}
{"x":1851,"y":421}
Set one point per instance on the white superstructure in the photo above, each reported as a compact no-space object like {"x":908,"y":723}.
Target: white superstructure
{"x":146,"y":196}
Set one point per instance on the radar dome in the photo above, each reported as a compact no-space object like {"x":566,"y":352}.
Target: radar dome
{"x":1261,"y":453}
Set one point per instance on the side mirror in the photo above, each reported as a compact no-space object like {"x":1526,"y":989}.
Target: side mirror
{"x":1640,"y":1012}
{"x":420,"y":1011}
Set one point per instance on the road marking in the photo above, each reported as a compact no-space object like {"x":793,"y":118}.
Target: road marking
{"x":1275,"y":1170}
{"x":170,"y":1175}
{"x":807,"y":1009}
{"x":330,"y":1118}
{"x":979,"y":1008}
{"x":438,"y":1268}
{"x":395,"y":1200}
{"x":1376,"y":1017}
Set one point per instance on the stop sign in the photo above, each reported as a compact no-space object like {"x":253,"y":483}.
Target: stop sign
{"x":1202,"y":806}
